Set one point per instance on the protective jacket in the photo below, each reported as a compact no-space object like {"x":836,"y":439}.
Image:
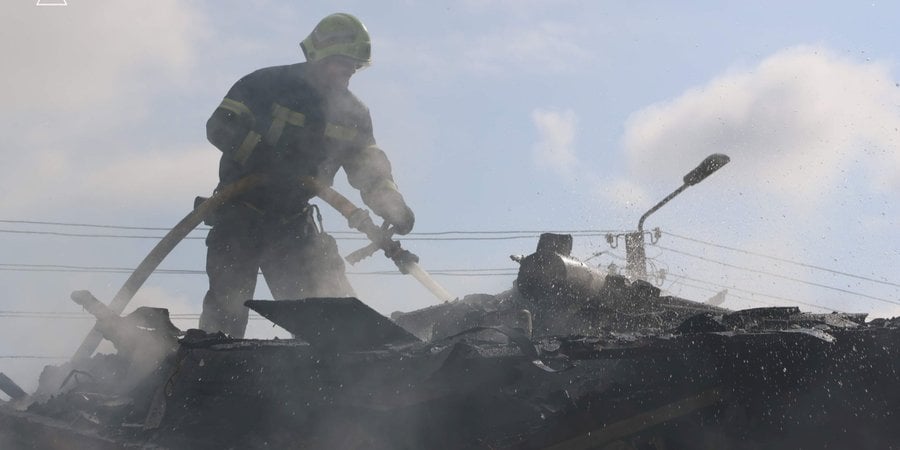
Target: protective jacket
{"x":278,"y":122}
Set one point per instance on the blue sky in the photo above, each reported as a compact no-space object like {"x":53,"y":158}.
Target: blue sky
{"x":498,"y":115}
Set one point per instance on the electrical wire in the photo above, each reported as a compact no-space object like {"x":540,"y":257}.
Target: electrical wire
{"x":416,"y":236}
{"x":529,"y":233}
{"x":753,"y":293}
{"x":468,"y":235}
{"x":679,"y":281}
{"x":775,"y":275}
{"x":15,"y":267}
{"x":33,"y":357}
{"x":757,"y":301}
{"x":87,"y":225}
{"x":354,"y":236}
{"x":118,"y":236}
{"x":81,"y":315}
{"x":775,"y":258}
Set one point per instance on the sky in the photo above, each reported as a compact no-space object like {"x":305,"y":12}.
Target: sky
{"x":502,"y":119}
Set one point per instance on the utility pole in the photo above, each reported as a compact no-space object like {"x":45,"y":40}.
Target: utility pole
{"x":636,"y":258}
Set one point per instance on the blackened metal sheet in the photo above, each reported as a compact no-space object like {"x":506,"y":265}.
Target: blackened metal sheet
{"x":10,"y":388}
{"x":338,"y":324}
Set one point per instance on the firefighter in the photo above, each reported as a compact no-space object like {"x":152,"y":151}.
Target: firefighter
{"x":289,"y":122}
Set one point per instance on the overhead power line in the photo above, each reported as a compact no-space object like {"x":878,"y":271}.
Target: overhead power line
{"x":461,"y":235}
{"x":730,"y":294}
{"x":753,"y":293}
{"x":88,"y":225}
{"x":33,"y":357}
{"x":342,"y":236}
{"x":419,"y":233}
{"x":783,"y":277}
{"x":15,"y":267}
{"x":775,"y":258}
{"x":11,"y":314}
{"x":88,"y":235}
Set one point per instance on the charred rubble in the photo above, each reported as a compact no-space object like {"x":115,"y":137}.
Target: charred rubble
{"x":569,"y":358}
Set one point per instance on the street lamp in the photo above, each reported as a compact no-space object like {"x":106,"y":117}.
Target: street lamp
{"x":634,"y":242}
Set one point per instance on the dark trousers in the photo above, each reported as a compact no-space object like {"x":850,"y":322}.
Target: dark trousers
{"x":296,"y":259}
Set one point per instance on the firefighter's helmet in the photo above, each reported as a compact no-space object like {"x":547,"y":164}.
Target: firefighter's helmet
{"x":339,"y":34}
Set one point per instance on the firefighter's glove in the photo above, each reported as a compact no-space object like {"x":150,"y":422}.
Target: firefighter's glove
{"x":389,"y":204}
{"x":402,"y":221}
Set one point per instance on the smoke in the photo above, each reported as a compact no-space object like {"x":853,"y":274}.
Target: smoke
{"x":810,"y":133}
{"x":58,"y":178}
{"x":79,"y":58}
{"x":799,"y":123}
{"x":77,"y":78}
{"x":557,"y":152}
{"x":86,"y":75}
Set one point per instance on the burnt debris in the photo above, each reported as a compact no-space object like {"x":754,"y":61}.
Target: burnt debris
{"x":570,"y":357}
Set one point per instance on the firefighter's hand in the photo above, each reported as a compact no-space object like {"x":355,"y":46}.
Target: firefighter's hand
{"x":401,"y":217}
{"x":395,"y":212}
{"x":389,"y":205}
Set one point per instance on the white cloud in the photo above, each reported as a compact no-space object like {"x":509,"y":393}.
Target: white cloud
{"x":814,"y":139}
{"x":158,"y":176}
{"x":556,"y":138}
{"x":555,"y":150}
{"x":71,"y":60}
{"x":78,"y":78}
{"x":149,"y":179}
{"x":795,"y":125}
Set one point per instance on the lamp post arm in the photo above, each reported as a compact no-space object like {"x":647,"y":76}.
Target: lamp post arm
{"x":652,"y":210}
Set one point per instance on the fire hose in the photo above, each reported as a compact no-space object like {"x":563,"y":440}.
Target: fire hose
{"x":159,"y":252}
{"x":357,"y":218}
{"x":381,"y":237}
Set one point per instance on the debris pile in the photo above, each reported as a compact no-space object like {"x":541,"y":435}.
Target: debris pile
{"x":568,"y":358}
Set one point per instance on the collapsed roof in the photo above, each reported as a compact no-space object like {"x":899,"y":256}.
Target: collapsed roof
{"x":571,"y":357}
